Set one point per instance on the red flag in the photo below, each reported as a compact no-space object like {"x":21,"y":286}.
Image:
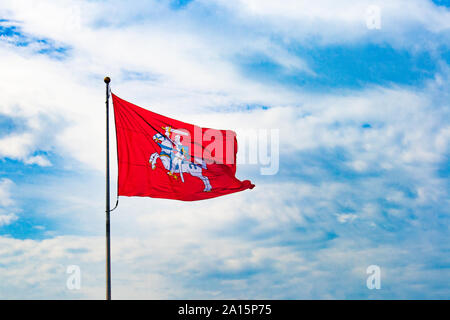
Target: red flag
{"x":161,"y":157}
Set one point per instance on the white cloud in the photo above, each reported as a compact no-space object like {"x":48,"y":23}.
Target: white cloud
{"x":193,"y":71}
{"x":16,"y":145}
{"x":5,"y":192}
{"x":6,"y":219}
{"x":6,"y":203}
{"x":346,"y":217}
{"x":341,"y":21}
{"x":39,"y":160}
{"x":218,"y":268}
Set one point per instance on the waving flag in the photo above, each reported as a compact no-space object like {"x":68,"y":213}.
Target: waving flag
{"x":161,"y":157}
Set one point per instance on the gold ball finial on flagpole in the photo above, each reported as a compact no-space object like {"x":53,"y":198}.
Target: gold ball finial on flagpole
{"x":107,"y":80}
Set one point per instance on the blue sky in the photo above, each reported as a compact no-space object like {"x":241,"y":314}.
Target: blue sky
{"x":363,"y":120}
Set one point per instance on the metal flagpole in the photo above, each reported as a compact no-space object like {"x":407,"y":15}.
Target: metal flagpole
{"x":108,"y":211}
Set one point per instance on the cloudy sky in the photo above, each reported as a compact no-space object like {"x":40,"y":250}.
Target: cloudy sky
{"x":363,"y":115}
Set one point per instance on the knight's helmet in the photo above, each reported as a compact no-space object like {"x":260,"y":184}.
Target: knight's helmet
{"x":158,"y":138}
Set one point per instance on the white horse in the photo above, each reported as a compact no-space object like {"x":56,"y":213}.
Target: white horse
{"x":194,"y":169}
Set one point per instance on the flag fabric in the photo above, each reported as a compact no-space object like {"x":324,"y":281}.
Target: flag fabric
{"x":161,"y":157}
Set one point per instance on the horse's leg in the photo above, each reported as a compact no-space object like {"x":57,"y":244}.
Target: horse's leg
{"x":165,"y":161}
{"x":206,"y":183}
{"x":153,"y":159}
{"x":209,"y":184}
